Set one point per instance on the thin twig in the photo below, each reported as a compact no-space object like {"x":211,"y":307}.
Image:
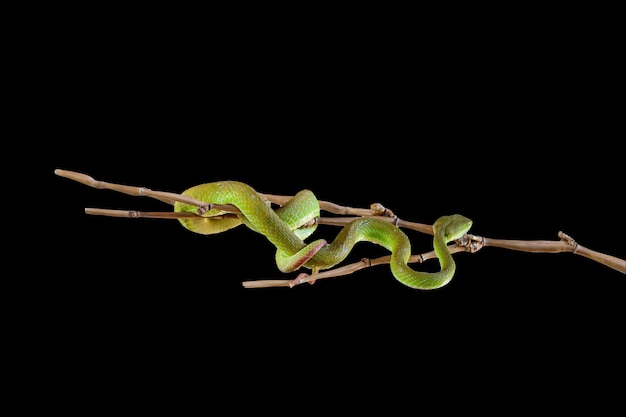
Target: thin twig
{"x":349,"y":269}
{"x":342,"y":221}
{"x":169,"y":198}
{"x":468,"y":243}
{"x":134,"y":214}
{"x":566,"y":244}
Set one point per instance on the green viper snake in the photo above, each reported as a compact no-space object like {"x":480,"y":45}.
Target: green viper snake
{"x":284,"y":228}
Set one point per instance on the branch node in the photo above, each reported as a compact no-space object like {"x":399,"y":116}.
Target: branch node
{"x":380,"y":210}
{"x":377,"y":209}
{"x":569,"y":240}
{"x":203,"y":209}
{"x":471,"y":243}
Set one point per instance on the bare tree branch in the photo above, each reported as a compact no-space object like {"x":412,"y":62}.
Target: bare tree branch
{"x":468,"y":243}
{"x":566,"y":244}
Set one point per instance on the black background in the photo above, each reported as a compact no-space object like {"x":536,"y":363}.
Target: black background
{"x":516,"y":134}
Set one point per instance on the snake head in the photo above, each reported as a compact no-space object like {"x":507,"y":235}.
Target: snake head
{"x":452,"y":227}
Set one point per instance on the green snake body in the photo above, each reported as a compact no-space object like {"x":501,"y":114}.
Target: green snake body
{"x":283,"y":228}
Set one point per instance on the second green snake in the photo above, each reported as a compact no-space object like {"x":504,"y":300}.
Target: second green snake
{"x":283,"y":228}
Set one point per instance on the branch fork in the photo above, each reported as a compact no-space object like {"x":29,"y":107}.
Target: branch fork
{"x":467,"y":243}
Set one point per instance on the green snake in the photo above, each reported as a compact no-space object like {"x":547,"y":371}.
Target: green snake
{"x":288,"y":226}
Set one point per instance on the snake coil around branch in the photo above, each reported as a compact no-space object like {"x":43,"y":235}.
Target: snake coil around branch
{"x":219,"y":206}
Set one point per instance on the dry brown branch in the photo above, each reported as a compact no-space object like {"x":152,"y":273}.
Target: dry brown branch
{"x":346,"y":269}
{"x":473,"y":244}
{"x":169,"y":198}
{"x":134,"y":214}
{"x":375,"y":209}
{"x":566,"y":244}
{"x":469,"y":243}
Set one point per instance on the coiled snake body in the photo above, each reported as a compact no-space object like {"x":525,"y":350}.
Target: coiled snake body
{"x":283,"y":227}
